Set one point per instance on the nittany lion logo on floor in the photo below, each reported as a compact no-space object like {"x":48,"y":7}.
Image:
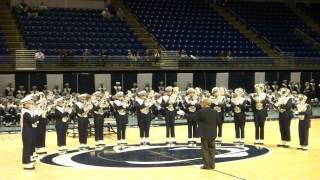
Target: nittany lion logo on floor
{"x":151,"y":156}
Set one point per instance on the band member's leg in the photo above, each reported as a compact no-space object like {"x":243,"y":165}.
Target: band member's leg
{"x":81,"y":130}
{"x":300,"y":128}
{"x":237,"y":127}
{"x":101,"y":126}
{"x":119,"y":131}
{"x":212,"y":150}
{"x":64,"y":134}
{"x":195,"y":127}
{"x":27,"y":148}
{"x":123,"y":135}
{"x":85,"y":137}
{"x":43,"y":129}
{"x":96,"y":128}
{"x":190,"y":124}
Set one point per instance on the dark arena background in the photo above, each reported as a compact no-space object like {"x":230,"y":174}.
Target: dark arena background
{"x":68,"y":48}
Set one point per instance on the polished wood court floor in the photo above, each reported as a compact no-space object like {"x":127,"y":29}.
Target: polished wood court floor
{"x":279,"y":164}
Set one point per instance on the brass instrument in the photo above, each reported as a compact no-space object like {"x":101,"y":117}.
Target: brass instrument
{"x":147,"y":103}
{"x":171,"y":101}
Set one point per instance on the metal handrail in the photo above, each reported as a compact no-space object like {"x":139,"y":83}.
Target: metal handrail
{"x":115,"y":63}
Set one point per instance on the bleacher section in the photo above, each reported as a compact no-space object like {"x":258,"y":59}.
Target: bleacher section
{"x":76,"y":29}
{"x":312,"y":10}
{"x":193,"y":26}
{"x":3,"y":46}
{"x":276,"y":23}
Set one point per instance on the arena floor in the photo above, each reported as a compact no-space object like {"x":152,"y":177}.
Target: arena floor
{"x":278,"y":163}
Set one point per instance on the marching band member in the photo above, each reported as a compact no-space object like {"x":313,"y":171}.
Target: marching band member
{"x":238,"y":105}
{"x":304,"y":113}
{"x":117,"y":88}
{"x":42,"y":110}
{"x":82,"y":108}
{"x":9,"y":90}
{"x":147,"y":88}
{"x":161,"y":87}
{"x":260,"y":113}
{"x":66,"y":89}
{"x":102,"y":89}
{"x":21,"y":90}
{"x":34,"y":90}
{"x":134,"y":88}
{"x":100,"y":105}
{"x":144,"y":116}
{"x":218,"y":104}
{"x":62,"y":112}
{"x":169,"y":104}
{"x":28,"y":124}
{"x":284,"y":105}
{"x":121,"y":115}
{"x":56,"y":91}
{"x":192,"y":105}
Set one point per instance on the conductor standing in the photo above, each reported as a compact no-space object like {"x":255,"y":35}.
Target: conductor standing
{"x":207,"y":130}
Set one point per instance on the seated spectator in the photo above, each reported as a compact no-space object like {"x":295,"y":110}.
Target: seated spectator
{"x":106,"y":14}
{"x":131,"y":55}
{"x":103,"y":55}
{"x":147,"y":55}
{"x":120,"y":14}
{"x":229,"y":56}
{"x":42,"y":7}
{"x":184,"y":54}
{"x":156,"y":55}
{"x":222,"y":55}
{"x":85,"y":53}
{"x":39,"y":56}
{"x":23,"y":7}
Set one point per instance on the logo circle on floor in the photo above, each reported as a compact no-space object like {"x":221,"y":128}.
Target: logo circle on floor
{"x":156,"y":155}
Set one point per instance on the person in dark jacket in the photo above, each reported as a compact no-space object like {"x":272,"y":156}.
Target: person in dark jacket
{"x":207,"y":130}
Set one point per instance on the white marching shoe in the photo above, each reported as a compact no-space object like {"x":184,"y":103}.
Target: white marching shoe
{"x":29,"y":166}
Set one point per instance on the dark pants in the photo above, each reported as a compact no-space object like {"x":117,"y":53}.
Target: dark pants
{"x":219,"y":125}
{"x":239,"y":123}
{"x":169,"y":118}
{"x":284,"y":124}
{"x":83,"y":129}
{"x":192,"y":128}
{"x":41,"y":133}
{"x":28,"y":145}
{"x":98,"y":127}
{"x":61,"y":129}
{"x":303,"y":133}
{"x":208,"y":152}
{"x":121,"y":131}
{"x":144,"y":128}
{"x":259,"y":120}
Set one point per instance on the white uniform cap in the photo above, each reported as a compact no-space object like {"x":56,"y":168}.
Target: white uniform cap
{"x":27,"y":99}
{"x":169,"y":88}
{"x":82,"y":95}
{"x":190,"y":90}
{"x":97,"y":93}
{"x":142,"y":93}
{"x":58,"y":100}
{"x":119,"y":94}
